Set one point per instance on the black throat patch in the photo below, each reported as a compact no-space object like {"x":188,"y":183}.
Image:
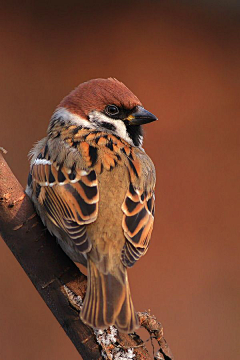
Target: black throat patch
{"x":135,"y":132}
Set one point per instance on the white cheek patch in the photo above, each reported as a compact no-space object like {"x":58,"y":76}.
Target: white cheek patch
{"x":118,"y":127}
{"x":67,"y":116}
{"x":97,"y":120}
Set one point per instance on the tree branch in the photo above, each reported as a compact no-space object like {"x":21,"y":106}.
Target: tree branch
{"x":57,"y":279}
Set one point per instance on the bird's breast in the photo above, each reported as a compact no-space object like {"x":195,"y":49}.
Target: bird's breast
{"x":106,"y":232}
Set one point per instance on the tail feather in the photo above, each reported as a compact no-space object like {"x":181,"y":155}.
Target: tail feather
{"x":108,"y":300}
{"x":127,"y":320}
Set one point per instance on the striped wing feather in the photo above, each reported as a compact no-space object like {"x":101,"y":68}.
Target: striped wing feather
{"x":70,"y":198}
{"x":138,"y":217}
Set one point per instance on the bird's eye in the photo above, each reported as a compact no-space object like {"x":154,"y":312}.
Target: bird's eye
{"x":111,"y":110}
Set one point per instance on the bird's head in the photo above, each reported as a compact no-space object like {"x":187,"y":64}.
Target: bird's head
{"x":105,"y":105}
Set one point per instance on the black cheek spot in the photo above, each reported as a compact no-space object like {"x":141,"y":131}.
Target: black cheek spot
{"x":108,"y":126}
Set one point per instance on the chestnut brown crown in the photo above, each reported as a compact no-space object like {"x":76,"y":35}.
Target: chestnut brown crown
{"x":96,"y":94}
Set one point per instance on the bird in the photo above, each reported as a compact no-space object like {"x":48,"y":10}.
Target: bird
{"x":93,"y":186}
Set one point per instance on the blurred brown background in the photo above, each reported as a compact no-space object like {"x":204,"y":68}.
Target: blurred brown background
{"x":182,"y":61}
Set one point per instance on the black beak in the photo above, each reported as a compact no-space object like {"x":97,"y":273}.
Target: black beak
{"x":141,"y":116}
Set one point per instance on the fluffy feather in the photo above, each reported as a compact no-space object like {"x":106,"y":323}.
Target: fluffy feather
{"x":94,"y":189}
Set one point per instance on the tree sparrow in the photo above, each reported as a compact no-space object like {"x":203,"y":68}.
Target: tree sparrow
{"x":93,"y":187}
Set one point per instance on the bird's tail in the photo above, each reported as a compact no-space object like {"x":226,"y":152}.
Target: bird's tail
{"x":108,"y":300}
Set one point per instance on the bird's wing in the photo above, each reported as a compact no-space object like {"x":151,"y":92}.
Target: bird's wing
{"x":138,"y":216}
{"x":69,"y":197}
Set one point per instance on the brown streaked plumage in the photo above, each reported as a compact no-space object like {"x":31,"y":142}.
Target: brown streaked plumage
{"x":93,"y":186}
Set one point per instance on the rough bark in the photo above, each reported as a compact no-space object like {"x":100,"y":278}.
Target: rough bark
{"x":52,"y":272}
